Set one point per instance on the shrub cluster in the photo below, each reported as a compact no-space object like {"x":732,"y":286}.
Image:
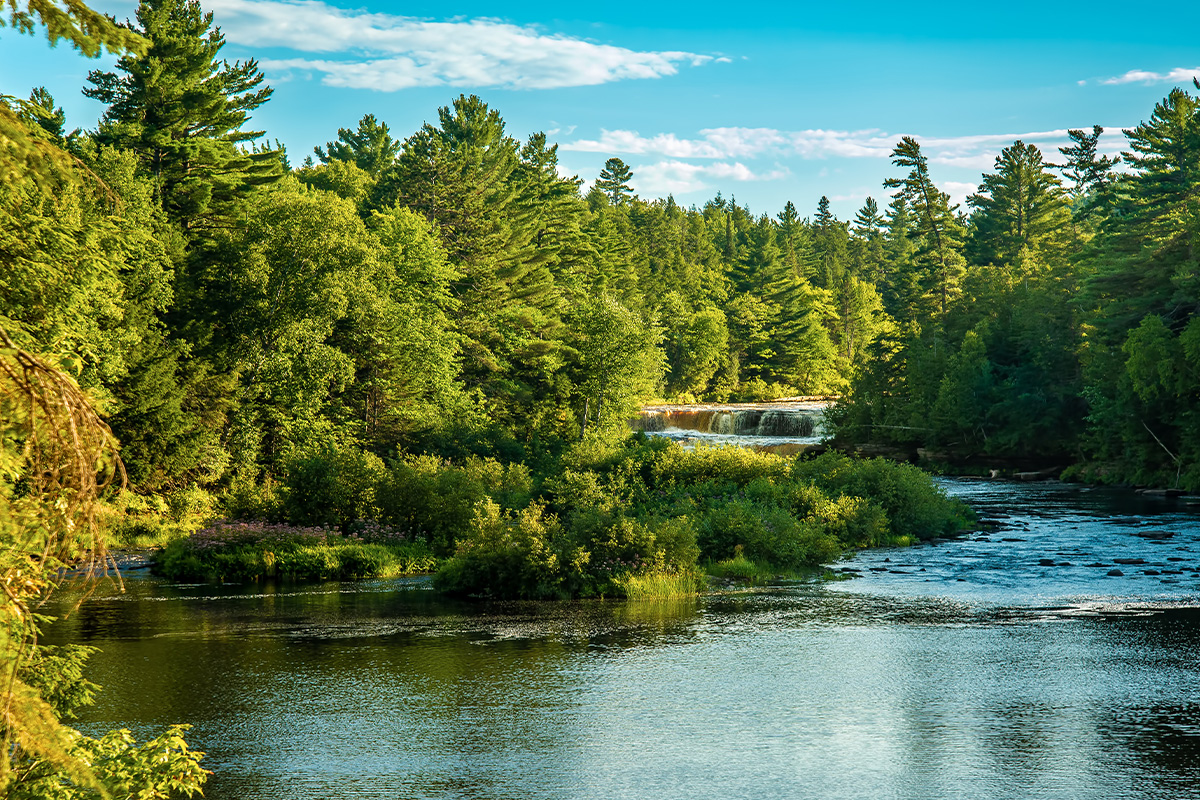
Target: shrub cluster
{"x":638,"y":516}
{"x":647,"y":512}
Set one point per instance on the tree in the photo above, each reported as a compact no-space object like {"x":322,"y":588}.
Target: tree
{"x":618,"y":359}
{"x":831,"y":243}
{"x":370,"y":147}
{"x":58,"y":456}
{"x":1092,"y":175}
{"x":289,"y":282}
{"x":86,"y":29}
{"x":614,"y":181}
{"x":182,"y":112}
{"x":938,"y":231}
{"x":1018,"y":207}
{"x":40,"y":110}
{"x":869,"y":226}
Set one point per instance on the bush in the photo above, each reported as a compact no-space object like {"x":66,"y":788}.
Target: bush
{"x":728,"y":463}
{"x":915,"y":506}
{"x":331,"y":485}
{"x":512,"y":555}
{"x":430,"y":497}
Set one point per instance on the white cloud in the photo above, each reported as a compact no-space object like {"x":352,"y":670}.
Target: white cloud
{"x":958,"y":190}
{"x":388,"y":53}
{"x":1177,"y":75}
{"x":976,"y":151}
{"x":680,"y":177}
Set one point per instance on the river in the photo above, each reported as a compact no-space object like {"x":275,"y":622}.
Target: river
{"x":999,"y":665}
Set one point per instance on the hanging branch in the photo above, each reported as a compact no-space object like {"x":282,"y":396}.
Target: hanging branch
{"x":1175,"y":458}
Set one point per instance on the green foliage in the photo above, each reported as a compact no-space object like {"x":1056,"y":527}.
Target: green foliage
{"x":370,"y":147}
{"x":251,"y":551}
{"x":56,"y":457}
{"x":328,"y":485}
{"x":182,"y":111}
{"x":915,"y":506}
{"x":657,"y":585}
{"x":512,"y":555}
{"x":86,"y":29}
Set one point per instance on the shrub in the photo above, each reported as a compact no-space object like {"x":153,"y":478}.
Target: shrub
{"x":738,"y":465}
{"x":512,"y":555}
{"x":915,"y":506}
{"x":430,"y":497}
{"x":331,"y":485}
{"x":740,"y":568}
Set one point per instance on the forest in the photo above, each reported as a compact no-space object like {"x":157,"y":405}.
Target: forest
{"x":450,"y":293}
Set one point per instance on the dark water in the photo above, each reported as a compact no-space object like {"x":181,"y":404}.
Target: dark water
{"x":1017,"y":681}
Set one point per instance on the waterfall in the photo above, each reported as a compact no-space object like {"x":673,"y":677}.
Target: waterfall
{"x":731,"y":422}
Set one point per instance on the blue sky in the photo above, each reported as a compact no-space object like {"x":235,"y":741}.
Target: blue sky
{"x":766,"y":103}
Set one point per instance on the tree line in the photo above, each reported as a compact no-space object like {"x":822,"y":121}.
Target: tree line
{"x":452,"y":293}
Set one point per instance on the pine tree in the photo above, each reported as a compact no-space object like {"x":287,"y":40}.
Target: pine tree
{"x":614,"y":181}
{"x":1093,"y":176}
{"x":182,"y":111}
{"x":1018,"y":207}
{"x":868,"y":243}
{"x":938,"y":232}
{"x":831,"y":245}
{"x":370,"y":147}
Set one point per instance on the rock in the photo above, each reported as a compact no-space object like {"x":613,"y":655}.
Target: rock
{"x":1046,"y":562}
{"x":1012,"y":540}
{"x":1154,"y":534}
{"x":1129,"y":561}
{"x":1097,"y":564}
{"x":1115,"y":573}
{"x":1151,"y":572}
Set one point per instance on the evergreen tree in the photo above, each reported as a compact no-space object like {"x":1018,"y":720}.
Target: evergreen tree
{"x":40,"y":110}
{"x":614,"y":181}
{"x":370,"y":147}
{"x":796,"y":243}
{"x":1018,"y":207}
{"x":1091,"y":175}
{"x":831,"y":246}
{"x":182,"y":111}
{"x":869,"y":226}
{"x":938,"y":233}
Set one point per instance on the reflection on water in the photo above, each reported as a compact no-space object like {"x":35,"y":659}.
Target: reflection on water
{"x":881,"y":687}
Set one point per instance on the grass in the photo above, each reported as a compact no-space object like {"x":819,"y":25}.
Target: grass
{"x":250,"y":551}
{"x":740,"y":568}
{"x":657,"y":585}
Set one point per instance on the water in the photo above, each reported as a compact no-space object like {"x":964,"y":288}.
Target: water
{"x":786,"y":428}
{"x":987,"y":675}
